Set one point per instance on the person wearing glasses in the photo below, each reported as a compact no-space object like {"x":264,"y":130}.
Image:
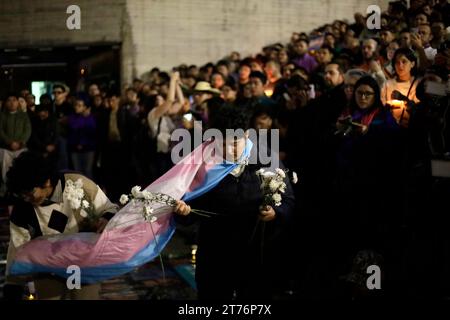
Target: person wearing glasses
{"x":367,"y":178}
{"x":42,"y":209}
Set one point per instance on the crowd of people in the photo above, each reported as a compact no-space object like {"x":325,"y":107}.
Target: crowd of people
{"x":362,"y":116}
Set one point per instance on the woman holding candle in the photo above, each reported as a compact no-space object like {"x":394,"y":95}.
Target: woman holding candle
{"x":405,"y":82}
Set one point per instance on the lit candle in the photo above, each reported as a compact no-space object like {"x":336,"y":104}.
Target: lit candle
{"x":268,"y":92}
{"x":398,"y":108}
{"x":396,"y":104}
{"x":32,"y":291}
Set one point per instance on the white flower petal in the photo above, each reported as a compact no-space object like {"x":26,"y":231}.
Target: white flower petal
{"x":124,"y":199}
{"x":85,"y":204}
{"x":276,"y":197}
{"x":83,"y":214}
{"x":280,"y":172}
{"x":294,"y":177}
{"x":79,"y":183}
{"x":136,"y":191}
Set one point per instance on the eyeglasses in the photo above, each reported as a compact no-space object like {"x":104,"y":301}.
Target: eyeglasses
{"x":366,"y":94}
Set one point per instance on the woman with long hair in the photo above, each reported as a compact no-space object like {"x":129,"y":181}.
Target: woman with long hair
{"x":399,"y":93}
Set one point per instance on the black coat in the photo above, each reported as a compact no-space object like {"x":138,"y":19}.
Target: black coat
{"x":229,"y":255}
{"x":44,"y":133}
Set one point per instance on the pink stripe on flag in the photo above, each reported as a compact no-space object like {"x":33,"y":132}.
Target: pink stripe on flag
{"x":127,"y":242}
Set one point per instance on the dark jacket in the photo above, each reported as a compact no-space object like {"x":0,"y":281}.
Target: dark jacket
{"x":14,"y":127}
{"x":44,"y":133}
{"x":82,"y":131}
{"x":233,"y":247}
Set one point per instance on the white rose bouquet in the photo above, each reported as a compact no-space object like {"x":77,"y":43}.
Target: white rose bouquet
{"x":272,"y":186}
{"x":78,"y":200}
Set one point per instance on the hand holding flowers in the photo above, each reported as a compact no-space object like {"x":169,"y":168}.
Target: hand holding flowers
{"x":149,"y":199}
{"x":272,"y":186}
{"x":78,"y":200}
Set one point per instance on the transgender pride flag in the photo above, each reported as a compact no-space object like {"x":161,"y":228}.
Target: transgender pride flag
{"x":128,"y":241}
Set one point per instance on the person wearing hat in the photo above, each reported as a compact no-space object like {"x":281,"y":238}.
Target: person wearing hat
{"x":202,"y":92}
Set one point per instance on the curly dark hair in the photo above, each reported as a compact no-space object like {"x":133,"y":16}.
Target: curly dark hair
{"x":29,"y":170}
{"x":229,"y":117}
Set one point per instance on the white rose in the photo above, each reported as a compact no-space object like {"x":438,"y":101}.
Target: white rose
{"x":276,"y":197}
{"x":294,"y":177}
{"x":75,"y":204}
{"x":274,"y":185}
{"x":83,"y":214}
{"x":260,"y":172}
{"x":85,"y":204}
{"x":136,"y":191}
{"x":148,"y":210}
{"x":283,"y":187}
{"x":79,"y":184}
{"x":124,"y":199}
{"x":78,"y":193}
{"x":280,"y":172}
{"x":146,"y":195}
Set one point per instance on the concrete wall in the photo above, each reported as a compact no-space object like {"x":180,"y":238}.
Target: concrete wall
{"x":165,"y":33}
{"x":171,"y":32}
{"x":29,"y":23}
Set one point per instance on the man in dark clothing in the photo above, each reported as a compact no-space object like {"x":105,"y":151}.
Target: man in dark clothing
{"x":238,"y":249}
{"x":44,"y":136}
{"x":114,"y":142}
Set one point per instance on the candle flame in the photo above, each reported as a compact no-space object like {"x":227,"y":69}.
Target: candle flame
{"x":268,"y":92}
{"x":396,"y":103}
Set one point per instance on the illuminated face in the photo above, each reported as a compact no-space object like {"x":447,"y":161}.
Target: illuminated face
{"x":257,"y":87}
{"x":332,"y":75}
{"x":420,"y":19}
{"x":12,"y":104}
{"x":22,"y":104}
{"x":217,"y":81}
{"x":114,"y":102}
{"x":80,"y":107}
{"x":93,"y":90}
{"x":233,"y":148}
{"x":369,"y":48}
{"x":405,"y":40}
{"x":263,"y":122}
{"x":228,"y":93}
{"x":392,"y":47}
{"x":386,"y":37}
{"x":244,"y":72}
{"x":364,"y":96}
{"x":283,"y":57}
{"x":349,"y":86}
{"x":38,"y":195}
{"x":300,"y":47}
{"x":425,"y":34}
{"x":324,"y":56}
{"x":403,"y":66}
